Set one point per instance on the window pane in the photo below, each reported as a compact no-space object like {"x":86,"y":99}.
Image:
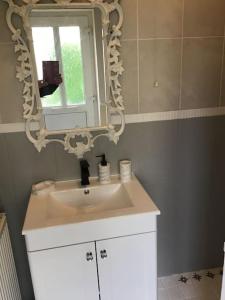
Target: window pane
{"x":44,"y":49}
{"x":72,"y":64}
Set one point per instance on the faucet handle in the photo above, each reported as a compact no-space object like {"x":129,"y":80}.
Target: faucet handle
{"x":84,"y":163}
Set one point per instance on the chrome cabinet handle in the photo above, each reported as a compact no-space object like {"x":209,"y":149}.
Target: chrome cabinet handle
{"x":103,"y":254}
{"x":89,"y":256}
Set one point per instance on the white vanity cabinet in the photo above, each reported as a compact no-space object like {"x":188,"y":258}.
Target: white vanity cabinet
{"x":99,"y":245}
{"x":122,"y":268}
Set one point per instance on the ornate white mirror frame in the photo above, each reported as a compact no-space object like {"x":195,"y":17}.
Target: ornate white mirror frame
{"x":75,"y":141}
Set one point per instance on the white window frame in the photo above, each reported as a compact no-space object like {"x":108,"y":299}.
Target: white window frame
{"x":84,"y":19}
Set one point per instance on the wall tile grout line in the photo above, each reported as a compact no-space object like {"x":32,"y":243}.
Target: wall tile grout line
{"x":175,"y":38}
{"x":182,"y":54}
{"x":154,"y":38}
{"x":222,"y":71}
{"x":138,"y":58}
{"x":203,"y":37}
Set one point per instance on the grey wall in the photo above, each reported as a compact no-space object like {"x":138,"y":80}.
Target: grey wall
{"x":180,"y":163}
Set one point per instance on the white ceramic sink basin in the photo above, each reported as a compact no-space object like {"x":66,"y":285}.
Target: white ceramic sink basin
{"x":90,"y":200}
{"x":63,"y":213}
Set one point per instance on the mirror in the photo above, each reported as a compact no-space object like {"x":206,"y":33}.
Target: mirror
{"x":69,"y":61}
{"x":68,"y":47}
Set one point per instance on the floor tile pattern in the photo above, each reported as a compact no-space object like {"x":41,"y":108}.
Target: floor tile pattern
{"x":202,"y":285}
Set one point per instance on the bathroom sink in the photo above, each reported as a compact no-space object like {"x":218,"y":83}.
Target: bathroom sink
{"x":89,"y":200}
{"x":63,"y":213}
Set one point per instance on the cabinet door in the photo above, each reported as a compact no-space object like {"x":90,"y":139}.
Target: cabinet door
{"x":68,"y":273}
{"x":127,"y":268}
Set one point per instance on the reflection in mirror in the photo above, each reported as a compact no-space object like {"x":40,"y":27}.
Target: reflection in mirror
{"x":68,"y":48}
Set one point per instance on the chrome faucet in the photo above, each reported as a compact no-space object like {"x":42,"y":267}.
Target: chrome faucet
{"x":84,"y":167}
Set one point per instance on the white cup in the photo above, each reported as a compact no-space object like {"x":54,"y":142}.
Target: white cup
{"x":125,"y":170}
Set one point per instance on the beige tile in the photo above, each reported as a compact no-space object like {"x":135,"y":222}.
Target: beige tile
{"x":204,"y":18}
{"x":160,"y":18}
{"x":5,"y":33}
{"x":160,"y":62}
{"x":11,"y":100}
{"x":130,"y":76}
{"x":130,"y":19}
{"x":201,"y":72}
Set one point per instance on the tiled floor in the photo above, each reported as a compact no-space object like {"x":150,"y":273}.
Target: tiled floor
{"x":202,"y":285}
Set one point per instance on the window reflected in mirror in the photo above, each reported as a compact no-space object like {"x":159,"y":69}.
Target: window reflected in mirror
{"x":69,"y":55}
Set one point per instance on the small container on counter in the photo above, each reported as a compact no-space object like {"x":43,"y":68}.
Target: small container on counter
{"x":104,"y":170}
{"x":125,"y":170}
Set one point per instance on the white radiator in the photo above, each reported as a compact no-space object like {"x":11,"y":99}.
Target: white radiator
{"x":9,"y":287}
{"x":223,"y":284}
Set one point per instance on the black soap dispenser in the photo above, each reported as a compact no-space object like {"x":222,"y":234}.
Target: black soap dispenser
{"x":104,"y":170}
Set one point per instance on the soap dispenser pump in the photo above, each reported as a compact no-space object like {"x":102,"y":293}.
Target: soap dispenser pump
{"x":104,"y":170}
